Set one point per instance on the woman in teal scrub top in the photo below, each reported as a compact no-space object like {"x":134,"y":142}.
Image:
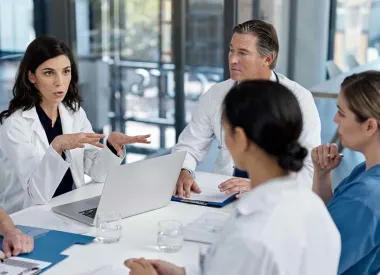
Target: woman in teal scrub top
{"x":355,"y":204}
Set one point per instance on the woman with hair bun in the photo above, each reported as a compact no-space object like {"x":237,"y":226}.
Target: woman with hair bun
{"x":277,"y":226}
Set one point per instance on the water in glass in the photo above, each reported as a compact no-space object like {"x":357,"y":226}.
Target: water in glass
{"x":109,"y":228}
{"x":170,"y":236}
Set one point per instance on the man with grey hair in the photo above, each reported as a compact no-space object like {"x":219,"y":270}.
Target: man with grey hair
{"x":253,"y":55}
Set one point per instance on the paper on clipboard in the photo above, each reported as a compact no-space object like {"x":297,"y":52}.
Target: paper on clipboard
{"x":17,"y":266}
{"x":210,"y":195}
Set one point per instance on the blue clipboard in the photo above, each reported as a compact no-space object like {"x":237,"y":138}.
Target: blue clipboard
{"x":205,"y":203}
{"x":49,"y":244}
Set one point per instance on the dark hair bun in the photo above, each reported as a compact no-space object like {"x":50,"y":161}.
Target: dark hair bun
{"x":293,"y":157}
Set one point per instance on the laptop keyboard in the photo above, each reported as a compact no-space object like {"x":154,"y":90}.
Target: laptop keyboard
{"x":89,"y":213}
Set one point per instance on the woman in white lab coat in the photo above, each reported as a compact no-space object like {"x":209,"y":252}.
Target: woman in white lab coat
{"x":279,"y":227}
{"x":46,"y":141}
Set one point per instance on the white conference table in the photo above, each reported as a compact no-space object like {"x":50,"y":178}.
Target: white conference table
{"x":139,"y":238}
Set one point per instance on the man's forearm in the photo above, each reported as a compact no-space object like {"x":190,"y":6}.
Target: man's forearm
{"x":6,"y":223}
{"x":322,"y":186}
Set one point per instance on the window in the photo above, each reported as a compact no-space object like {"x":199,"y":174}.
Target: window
{"x":16,"y":32}
{"x":357,"y":34}
{"x":276,"y":12}
{"x":137,"y":35}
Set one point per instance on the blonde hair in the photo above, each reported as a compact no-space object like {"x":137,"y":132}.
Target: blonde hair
{"x":362,"y":92}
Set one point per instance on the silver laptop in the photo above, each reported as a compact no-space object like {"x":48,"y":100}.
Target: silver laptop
{"x":130,"y":189}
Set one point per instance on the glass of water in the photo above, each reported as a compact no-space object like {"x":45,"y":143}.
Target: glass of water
{"x":108,"y":226}
{"x":170,"y":236}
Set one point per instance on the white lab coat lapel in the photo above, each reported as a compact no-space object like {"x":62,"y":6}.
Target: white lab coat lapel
{"x":74,"y":156}
{"x":66,"y":119}
{"x":36,"y":125}
{"x":67,"y":125}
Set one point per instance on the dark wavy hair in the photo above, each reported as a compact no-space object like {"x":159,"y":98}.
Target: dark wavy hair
{"x":271,"y":117}
{"x":25,"y":95}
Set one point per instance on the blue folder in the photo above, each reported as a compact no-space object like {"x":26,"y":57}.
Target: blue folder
{"x":49,"y":244}
{"x":206,"y":203}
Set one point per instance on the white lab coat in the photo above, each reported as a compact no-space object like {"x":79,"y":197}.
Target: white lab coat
{"x":205,"y":125}
{"x":278,"y":228}
{"x":31,"y":170}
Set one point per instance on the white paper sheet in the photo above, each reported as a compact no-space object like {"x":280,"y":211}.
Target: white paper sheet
{"x":18,"y":265}
{"x":206,"y":228}
{"x":210,"y":195}
{"x":209,"y":188}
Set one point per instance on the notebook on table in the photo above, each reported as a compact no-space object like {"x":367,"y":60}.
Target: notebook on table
{"x":210,"y":195}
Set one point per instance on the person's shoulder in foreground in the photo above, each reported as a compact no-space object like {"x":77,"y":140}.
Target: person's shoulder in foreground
{"x":283,"y":231}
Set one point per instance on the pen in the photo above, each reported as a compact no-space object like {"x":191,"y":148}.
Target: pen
{"x":25,"y":272}
{"x":241,"y":192}
{"x":329,"y":155}
{"x":34,"y":270}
